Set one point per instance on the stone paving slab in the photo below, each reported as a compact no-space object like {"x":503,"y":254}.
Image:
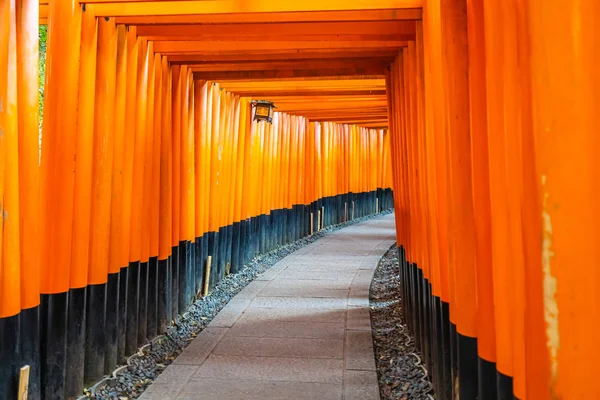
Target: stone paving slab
{"x":272,"y":369}
{"x":359,"y":319}
{"x":201,"y":347}
{"x":284,"y":347}
{"x":230,"y":314}
{"x":223,"y":389}
{"x":359,"y":351}
{"x":361,"y":385}
{"x":309,"y":284}
{"x":260,"y":315}
{"x":300,"y":331}
{"x":300,"y":303}
{"x":306,"y":291}
{"x":310,"y":330}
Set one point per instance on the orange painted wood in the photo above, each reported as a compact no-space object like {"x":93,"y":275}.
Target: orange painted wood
{"x":28,"y":138}
{"x":268,"y":17}
{"x":147,"y":158}
{"x":536,"y":351}
{"x":165,"y":223}
{"x":116,"y":205}
{"x":207,"y":46}
{"x":565,"y":103}
{"x":187,"y":160}
{"x":238,"y":6}
{"x":499,"y":188}
{"x":84,"y":150}
{"x":454,"y":24}
{"x":199,"y":133}
{"x":103,"y":152}
{"x":156,"y":159}
{"x":434,"y":78}
{"x":58,"y":148}
{"x":133,"y":44}
{"x":176,"y":153}
{"x":10,"y":297}
{"x":139,"y":152}
{"x":6,"y":308}
{"x":291,"y":29}
{"x":486,"y":334}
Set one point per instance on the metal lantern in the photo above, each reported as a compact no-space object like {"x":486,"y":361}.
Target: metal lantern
{"x":263,"y":110}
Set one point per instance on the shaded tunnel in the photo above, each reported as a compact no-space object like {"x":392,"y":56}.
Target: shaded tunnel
{"x":144,"y":162}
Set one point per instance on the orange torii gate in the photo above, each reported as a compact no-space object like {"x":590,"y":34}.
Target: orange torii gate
{"x":480,"y":115}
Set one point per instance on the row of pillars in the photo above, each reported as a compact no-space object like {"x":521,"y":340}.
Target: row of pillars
{"x":495,"y":130}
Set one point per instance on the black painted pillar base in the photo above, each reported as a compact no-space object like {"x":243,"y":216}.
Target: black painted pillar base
{"x":169,"y":288}
{"x":487,"y":380}
{"x":454,"y":358}
{"x":467,"y":367}
{"x":221,"y":259}
{"x":191,"y":271}
{"x":30,"y":348}
{"x":229,"y":247}
{"x":162,"y":303}
{"x":213,"y":249}
{"x":10,"y":356}
{"x":505,"y":386}
{"x":184,"y":276}
{"x":152,"y":297}
{"x":243,"y":243}
{"x":436,"y":351}
{"x":289,"y":225}
{"x":53,"y":344}
{"x":143,"y":305}
{"x":447,"y":383}
{"x":236,"y":263}
{"x":175,"y":282}
{"x":111,"y":322}
{"x":95,"y":333}
{"x":76,"y":328}
{"x":198,"y":265}
{"x":131,"y":335}
{"x":122,"y":317}
{"x":271,"y":232}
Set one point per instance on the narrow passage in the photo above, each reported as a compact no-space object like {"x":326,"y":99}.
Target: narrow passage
{"x":300,"y":331}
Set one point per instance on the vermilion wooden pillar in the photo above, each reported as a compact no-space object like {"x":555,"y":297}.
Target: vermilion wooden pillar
{"x":565,"y":93}
{"x":57,"y":175}
{"x":27,"y":52}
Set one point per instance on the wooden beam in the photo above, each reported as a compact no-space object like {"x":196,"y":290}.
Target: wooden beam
{"x":208,"y":46}
{"x":154,"y":8}
{"x":322,"y":64}
{"x":374,"y":112}
{"x":323,"y":98}
{"x":273,"y":55}
{"x":331,"y":105}
{"x":309,"y":37}
{"x":256,"y":93}
{"x":290,"y":74}
{"x":395,"y":28}
{"x":311,"y":84}
{"x":351,"y":120}
{"x":326,"y":16}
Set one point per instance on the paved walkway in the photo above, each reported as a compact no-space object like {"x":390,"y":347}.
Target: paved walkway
{"x":300,"y":331}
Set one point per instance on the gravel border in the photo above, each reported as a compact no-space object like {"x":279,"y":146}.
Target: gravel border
{"x":400,"y":371}
{"x":129,"y":381}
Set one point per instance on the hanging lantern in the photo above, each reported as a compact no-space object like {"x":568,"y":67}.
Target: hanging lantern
{"x":263,"y":110}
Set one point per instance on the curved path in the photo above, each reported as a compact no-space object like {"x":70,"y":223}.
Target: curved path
{"x":300,"y":331}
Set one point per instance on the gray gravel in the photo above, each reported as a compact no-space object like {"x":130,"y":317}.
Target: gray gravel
{"x":130,"y":381}
{"x":400,"y":371}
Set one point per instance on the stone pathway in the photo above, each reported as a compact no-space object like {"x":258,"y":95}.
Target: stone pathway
{"x":301,"y":331}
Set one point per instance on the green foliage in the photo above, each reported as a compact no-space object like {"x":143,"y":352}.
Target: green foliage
{"x":42,"y":68}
